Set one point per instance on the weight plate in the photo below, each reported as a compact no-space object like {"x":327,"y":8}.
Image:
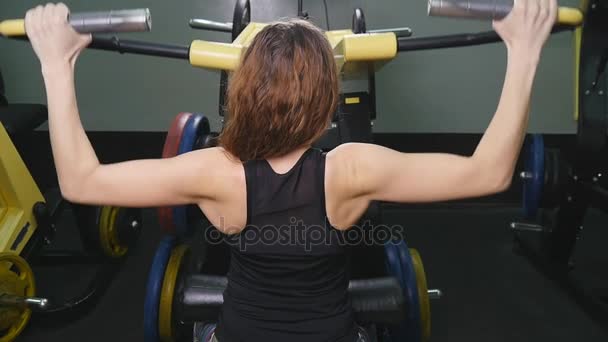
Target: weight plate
{"x":128,"y":224}
{"x":16,"y":278}
{"x":108,"y":231}
{"x":423,"y":295}
{"x":154,"y":288}
{"x":196,"y":127}
{"x":359,"y":22}
{"x":533,"y":175}
{"x":410,"y":291}
{"x":170,"y":150}
{"x":394,"y":269}
{"x":165,"y":315}
{"x":241,"y":17}
{"x":88,"y":221}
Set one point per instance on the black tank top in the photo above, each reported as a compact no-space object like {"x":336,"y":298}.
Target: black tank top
{"x":288,"y":275}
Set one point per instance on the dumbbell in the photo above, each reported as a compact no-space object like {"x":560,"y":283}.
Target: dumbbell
{"x":131,"y":20}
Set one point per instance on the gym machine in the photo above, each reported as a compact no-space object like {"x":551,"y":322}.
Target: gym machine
{"x":29,"y":218}
{"x":358,"y":52}
{"x":558,"y":189}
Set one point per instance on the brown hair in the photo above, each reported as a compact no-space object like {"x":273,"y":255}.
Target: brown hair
{"x":284,"y":93}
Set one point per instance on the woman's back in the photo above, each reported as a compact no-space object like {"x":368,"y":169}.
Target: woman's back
{"x":288,"y":274}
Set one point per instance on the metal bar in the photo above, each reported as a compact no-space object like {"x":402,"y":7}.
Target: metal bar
{"x":19,"y":301}
{"x":135,"y":47}
{"x":456,"y":40}
{"x":400,"y":32}
{"x":209,"y":25}
{"x":140,"y":47}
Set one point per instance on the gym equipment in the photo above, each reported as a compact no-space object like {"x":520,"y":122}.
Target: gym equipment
{"x":154,"y":288}
{"x":170,"y":149}
{"x":189,"y":297}
{"x":17,"y":288}
{"x":492,"y":9}
{"x":197,"y":126}
{"x":533,"y":175}
{"x":28,"y":220}
{"x":544,"y":176}
{"x":177,"y":261}
{"x":135,"y":20}
{"x":405,"y":265}
{"x":549,"y":241}
{"x":108,"y":231}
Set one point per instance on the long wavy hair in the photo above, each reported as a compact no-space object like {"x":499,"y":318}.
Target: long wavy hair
{"x":284,"y":93}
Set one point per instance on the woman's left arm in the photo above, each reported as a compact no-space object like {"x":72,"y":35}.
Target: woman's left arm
{"x":82,"y":178}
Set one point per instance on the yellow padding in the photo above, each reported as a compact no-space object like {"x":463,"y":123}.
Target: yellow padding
{"x":570,"y":16}
{"x":336,"y":37}
{"x":348,"y":47}
{"x":370,"y":47}
{"x":246,"y":37}
{"x":19,"y":193}
{"x":211,"y":55}
{"x":15,"y":27}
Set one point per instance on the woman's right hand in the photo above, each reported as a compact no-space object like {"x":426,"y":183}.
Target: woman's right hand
{"x":528,"y":25}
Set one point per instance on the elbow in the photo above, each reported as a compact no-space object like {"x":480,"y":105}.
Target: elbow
{"x":496,"y":178}
{"x":504,"y":184}
{"x":69,"y":192}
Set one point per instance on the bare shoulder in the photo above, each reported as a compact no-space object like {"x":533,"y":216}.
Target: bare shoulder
{"x":345,"y":175}
{"x":345,"y":167}
{"x":217,"y":169}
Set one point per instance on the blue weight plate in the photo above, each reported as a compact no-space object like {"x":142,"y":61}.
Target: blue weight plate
{"x":154,"y":288}
{"x":410,"y":290}
{"x":394,"y":269}
{"x":196,"y":127}
{"x":534,"y":172}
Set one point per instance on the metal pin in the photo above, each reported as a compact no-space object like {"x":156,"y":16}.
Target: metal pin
{"x":41,"y":303}
{"x":569,"y":198}
{"x":435,"y":294}
{"x":595,"y":179}
{"x":575,"y":177}
{"x":526,"y":227}
{"x":19,"y":301}
{"x":601,"y":92}
{"x":526,"y":175}
{"x":134,"y":224}
{"x":587,"y":92}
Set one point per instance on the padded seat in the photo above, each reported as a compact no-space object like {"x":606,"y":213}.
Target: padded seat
{"x":22,"y":118}
{"x":378,"y":300}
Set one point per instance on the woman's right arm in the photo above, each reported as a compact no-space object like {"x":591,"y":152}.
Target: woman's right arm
{"x":377,"y":173}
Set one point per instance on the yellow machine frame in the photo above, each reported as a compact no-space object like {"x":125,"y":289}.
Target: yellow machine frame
{"x":18,"y":195}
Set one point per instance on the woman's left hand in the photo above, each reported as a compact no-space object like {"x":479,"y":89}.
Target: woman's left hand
{"x":53,"y":39}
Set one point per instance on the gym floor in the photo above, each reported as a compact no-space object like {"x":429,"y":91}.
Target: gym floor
{"x":490,"y":292}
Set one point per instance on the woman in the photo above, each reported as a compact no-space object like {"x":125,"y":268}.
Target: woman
{"x":267,"y":176}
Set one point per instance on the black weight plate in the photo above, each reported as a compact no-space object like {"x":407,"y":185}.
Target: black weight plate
{"x":241,"y":18}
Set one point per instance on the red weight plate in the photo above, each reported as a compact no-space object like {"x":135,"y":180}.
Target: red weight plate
{"x":174,"y":136}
